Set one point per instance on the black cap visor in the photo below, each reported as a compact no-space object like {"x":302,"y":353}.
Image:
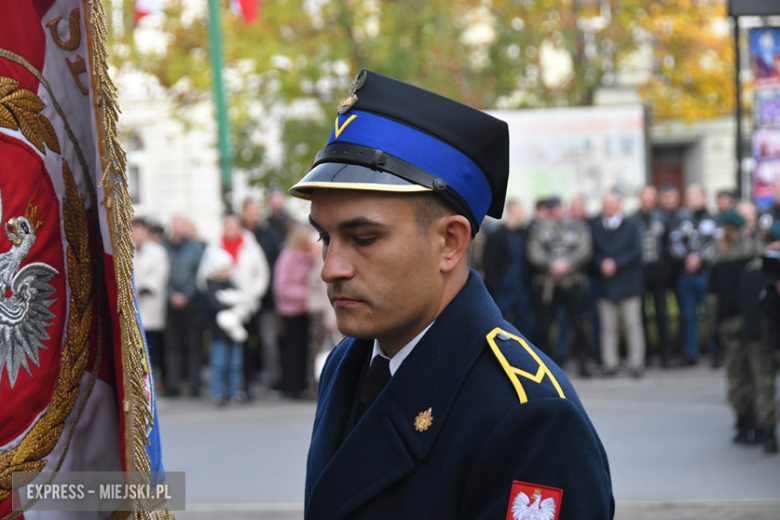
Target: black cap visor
{"x":334,"y":175}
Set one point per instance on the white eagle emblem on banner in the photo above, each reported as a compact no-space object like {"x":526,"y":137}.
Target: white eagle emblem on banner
{"x":523,"y":509}
{"x":24,"y":303}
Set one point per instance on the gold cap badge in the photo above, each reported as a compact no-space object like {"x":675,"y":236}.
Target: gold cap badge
{"x":424,"y":420}
{"x":352,"y":98}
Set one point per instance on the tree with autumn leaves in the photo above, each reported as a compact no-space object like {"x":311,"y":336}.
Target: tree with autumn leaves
{"x":293,"y":66}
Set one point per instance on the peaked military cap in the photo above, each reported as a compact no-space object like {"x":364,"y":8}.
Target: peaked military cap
{"x":395,"y":137}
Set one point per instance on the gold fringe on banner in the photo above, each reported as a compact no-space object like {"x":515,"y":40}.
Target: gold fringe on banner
{"x":119,"y":211}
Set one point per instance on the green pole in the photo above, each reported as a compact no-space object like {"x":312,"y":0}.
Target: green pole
{"x":225,"y":157}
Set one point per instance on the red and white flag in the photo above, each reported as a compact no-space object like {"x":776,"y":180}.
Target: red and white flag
{"x":147,"y":7}
{"x":248,"y":9}
{"x":75,"y":387}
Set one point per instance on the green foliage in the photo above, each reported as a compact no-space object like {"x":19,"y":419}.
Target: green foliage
{"x":485,"y":53}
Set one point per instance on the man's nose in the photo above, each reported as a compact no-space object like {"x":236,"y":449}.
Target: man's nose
{"x":337,"y":265}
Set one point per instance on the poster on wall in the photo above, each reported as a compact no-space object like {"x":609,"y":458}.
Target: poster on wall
{"x":765,"y":64}
{"x":571,"y":151}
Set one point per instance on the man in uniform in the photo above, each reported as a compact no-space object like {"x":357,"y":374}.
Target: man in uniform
{"x":433,"y":406}
{"x":560,"y":249}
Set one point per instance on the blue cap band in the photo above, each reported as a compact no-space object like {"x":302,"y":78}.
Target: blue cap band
{"x":419,"y":149}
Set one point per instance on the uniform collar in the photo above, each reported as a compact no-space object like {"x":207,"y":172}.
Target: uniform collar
{"x":396,"y":360}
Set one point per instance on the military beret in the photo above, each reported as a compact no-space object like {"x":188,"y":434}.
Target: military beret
{"x":774,"y":231}
{"x":394,"y":137}
{"x":732,"y":218}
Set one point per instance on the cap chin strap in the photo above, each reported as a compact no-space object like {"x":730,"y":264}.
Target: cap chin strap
{"x":349,"y":153}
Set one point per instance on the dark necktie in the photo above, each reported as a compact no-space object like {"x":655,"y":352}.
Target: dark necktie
{"x":376,"y":379}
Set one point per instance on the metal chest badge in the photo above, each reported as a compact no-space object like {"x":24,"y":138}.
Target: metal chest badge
{"x":348,"y":102}
{"x":424,"y":420}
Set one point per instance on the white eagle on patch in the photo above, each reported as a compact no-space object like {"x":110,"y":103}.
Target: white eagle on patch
{"x":523,"y":509}
{"x":24,"y":301}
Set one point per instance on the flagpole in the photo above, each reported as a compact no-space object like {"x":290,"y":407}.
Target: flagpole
{"x":225,"y":157}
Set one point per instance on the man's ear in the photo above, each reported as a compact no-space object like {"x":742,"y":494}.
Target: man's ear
{"x":455,"y":232}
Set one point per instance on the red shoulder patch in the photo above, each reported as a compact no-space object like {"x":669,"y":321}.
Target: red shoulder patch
{"x":534,"y":502}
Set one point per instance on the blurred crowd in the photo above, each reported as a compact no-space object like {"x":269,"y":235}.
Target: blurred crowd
{"x":251,"y":309}
{"x":677,"y":279}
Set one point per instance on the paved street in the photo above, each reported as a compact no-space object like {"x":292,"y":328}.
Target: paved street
{"x":667,"y":437}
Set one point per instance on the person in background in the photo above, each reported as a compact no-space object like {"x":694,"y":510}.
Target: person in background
{"x":560,"y":250}
{"x":156,"y":232}
{"x":727,"y":280}
{"x":279,"y":219}
{"x":322,"y":318}
{"x":507,"y":276}
{"x":151,"y":270}
{"x":226,"y":323}
{"x":183,"y":340}
{"x":617,"y":252}
{"x":291,"y":291}
{"x":765,"y":355}
{"x":577,"y":211}
{"x":692,"y":242}
{"x":669,"y":204}
{"x":747,"y":210}
{"x":250,"y":274}
{"x":771,"y":214}
{"x":655,"y":266}
{"x":265,"y":320}
{"x":724,"y":201}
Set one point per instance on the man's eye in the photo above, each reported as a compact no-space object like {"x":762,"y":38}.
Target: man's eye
{"x":361,"y":241}
{"x":324,"y":239}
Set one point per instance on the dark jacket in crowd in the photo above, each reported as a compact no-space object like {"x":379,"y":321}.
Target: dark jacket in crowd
{"x":654,"y":228}
{"x":624,"y":246}
{"x":270,"y":240}
{"x":213,"y":306}
{"x":185,"y":258}
{"x":728,"y":276}
{"x":504,"y":260}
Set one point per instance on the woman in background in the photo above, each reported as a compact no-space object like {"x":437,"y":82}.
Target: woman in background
{"x":291,"y":290}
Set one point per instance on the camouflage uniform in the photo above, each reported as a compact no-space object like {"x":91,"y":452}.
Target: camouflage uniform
{"x":727,"y":277}
{"x":765,"y":363}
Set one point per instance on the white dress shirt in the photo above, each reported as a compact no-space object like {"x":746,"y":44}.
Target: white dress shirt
{"x":396,"y":360}
{"x":614,"y":222}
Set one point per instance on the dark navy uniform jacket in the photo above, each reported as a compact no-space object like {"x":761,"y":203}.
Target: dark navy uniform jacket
{"x":502,"y":412}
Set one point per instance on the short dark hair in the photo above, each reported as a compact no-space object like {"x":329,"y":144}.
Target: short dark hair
{"x":429,"y":207}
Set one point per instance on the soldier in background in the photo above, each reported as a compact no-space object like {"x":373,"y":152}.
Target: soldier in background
{"x":726,"y":283}
{"x":765,"y":355}
{"x":724,"y":201}
{"x":560,"y":250}
{"x":692,"y":242}
{"x":653,"y":225}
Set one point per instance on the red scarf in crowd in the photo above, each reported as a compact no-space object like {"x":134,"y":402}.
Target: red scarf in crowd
{"x":232,"y":246}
